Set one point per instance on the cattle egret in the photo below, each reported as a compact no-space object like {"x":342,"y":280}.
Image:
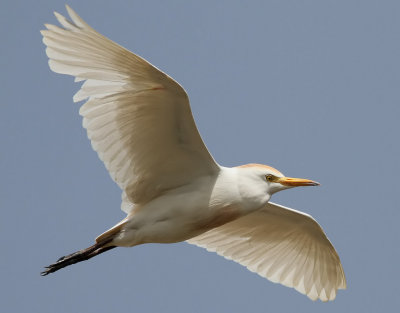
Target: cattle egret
{"x":139,"y":121}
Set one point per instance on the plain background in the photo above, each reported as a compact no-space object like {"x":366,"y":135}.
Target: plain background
{"x":309,"y":87}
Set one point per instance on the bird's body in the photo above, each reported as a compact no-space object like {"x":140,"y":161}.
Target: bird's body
{"x":140,"y":123}
{"x":187,"y":211}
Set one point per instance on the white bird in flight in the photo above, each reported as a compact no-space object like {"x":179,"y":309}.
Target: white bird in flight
{"x":139,"y":121}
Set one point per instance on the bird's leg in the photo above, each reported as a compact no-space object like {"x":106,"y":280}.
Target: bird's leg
{"x":79,"y":256}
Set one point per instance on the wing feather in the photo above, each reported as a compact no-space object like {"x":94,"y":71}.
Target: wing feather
{"x":283,"y":245}
{"x":137,"y":118}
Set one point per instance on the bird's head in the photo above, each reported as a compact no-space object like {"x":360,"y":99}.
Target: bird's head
{"x":271,"y":180}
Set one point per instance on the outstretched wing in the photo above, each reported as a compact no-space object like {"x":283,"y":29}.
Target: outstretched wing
{"x":137,"y":118}
{"x":283,"y":245}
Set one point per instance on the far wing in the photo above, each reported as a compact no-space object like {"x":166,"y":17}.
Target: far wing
{"x":282,"y":245}
{"x":137,"y":118}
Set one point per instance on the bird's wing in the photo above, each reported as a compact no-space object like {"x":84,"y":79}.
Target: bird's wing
{"x":137,"y":118}
{"x":282,"y":245}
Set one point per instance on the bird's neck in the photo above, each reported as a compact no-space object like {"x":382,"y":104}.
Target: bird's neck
{"x":236,"y":187}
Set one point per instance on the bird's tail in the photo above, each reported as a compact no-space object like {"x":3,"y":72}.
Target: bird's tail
{"x":79,"y":256}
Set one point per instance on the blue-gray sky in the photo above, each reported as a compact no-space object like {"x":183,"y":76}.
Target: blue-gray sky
{"x":309,"y":87}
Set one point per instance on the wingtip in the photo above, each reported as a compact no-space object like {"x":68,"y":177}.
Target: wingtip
{"x":69,"y":9}
{"x":76,"y":19}
{"x":59,"y":17}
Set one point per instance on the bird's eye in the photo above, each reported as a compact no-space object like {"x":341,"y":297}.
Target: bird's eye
{"x":269,"y":177}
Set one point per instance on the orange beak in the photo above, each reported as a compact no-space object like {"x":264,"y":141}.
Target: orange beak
{"x":295,"y":182}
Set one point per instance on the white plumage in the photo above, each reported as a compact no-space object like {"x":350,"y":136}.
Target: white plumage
{"x":284,"y":245}
{"x":139,"y":121}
